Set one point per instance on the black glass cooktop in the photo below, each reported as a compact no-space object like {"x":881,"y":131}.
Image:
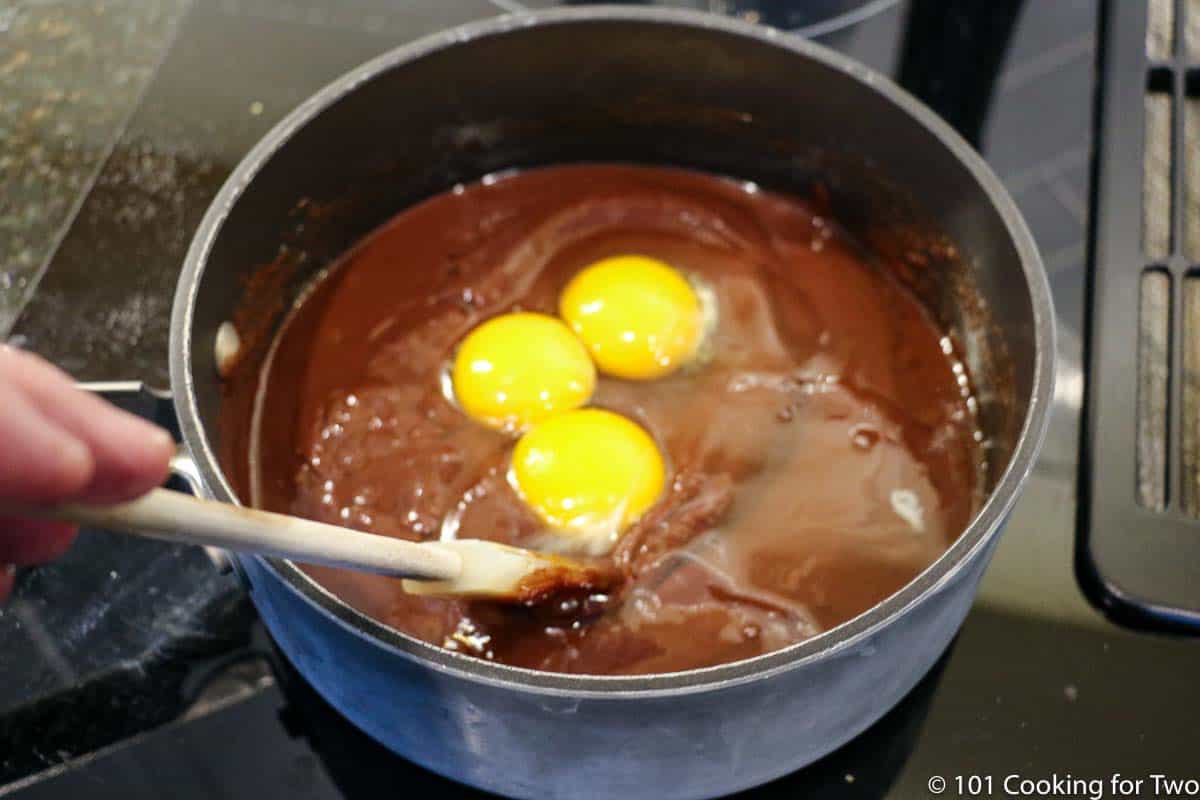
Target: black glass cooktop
{"x":135,"y":669}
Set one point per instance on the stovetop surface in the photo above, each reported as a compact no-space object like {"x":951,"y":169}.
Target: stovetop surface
{"x":134,"y":112}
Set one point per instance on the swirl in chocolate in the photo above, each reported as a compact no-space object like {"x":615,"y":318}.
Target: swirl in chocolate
{"x":821,"y":456}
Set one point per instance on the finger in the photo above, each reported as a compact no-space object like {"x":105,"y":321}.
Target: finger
{"x":33,"y":541}
{"x":39,"y":462}
{"x":131,"y":455}
{"x":7,"y":575}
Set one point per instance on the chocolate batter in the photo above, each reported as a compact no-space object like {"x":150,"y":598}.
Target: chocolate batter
{"x":825,"y":455}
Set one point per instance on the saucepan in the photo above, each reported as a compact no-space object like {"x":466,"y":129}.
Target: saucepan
{"x":632,"y":85}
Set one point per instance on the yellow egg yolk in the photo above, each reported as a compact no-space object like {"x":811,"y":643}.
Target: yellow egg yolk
{"x":639,"y":318}
{"x":516,"y":370}
{"x":589,"y":474}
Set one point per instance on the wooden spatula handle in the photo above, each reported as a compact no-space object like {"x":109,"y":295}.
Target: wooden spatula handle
{"x":178,"y":517}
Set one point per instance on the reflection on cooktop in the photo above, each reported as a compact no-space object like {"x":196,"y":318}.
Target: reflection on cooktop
{"x":806,"y":17}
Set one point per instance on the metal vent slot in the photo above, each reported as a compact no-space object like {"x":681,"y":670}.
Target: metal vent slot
{"x":1153,"y":372}
{"x":1156,"y":167}
{"x":1191,"y":31}
{"x":1190,"y":151}
{"x":1190,"y":485}
{"x":1139,"y":518}
{"x":1160,"y":30}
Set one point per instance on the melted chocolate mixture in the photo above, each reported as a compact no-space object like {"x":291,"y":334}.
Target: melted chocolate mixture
{"x":823,"y":458}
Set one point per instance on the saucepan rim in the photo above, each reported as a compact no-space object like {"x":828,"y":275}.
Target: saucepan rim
{"x":973,"y":540}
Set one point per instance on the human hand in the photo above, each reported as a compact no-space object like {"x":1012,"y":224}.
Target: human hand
{"x":60,"y":444}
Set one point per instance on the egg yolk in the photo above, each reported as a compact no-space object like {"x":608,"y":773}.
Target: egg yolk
{"x":639,"y":318}
{"x":588,"y":474}
{"x":516,"y":370}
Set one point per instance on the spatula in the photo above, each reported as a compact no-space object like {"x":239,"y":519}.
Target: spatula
{"x":466,"y":567}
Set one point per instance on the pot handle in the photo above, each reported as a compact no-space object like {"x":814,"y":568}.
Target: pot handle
{"x":156,"y":406}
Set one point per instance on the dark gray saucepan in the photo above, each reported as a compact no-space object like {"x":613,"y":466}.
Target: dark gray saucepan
{"x":650,"y":86}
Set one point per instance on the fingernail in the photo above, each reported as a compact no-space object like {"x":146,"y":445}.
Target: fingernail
{"x":76,"y":461}
{"x":161,"y":439}
{"x":143,"y":432}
